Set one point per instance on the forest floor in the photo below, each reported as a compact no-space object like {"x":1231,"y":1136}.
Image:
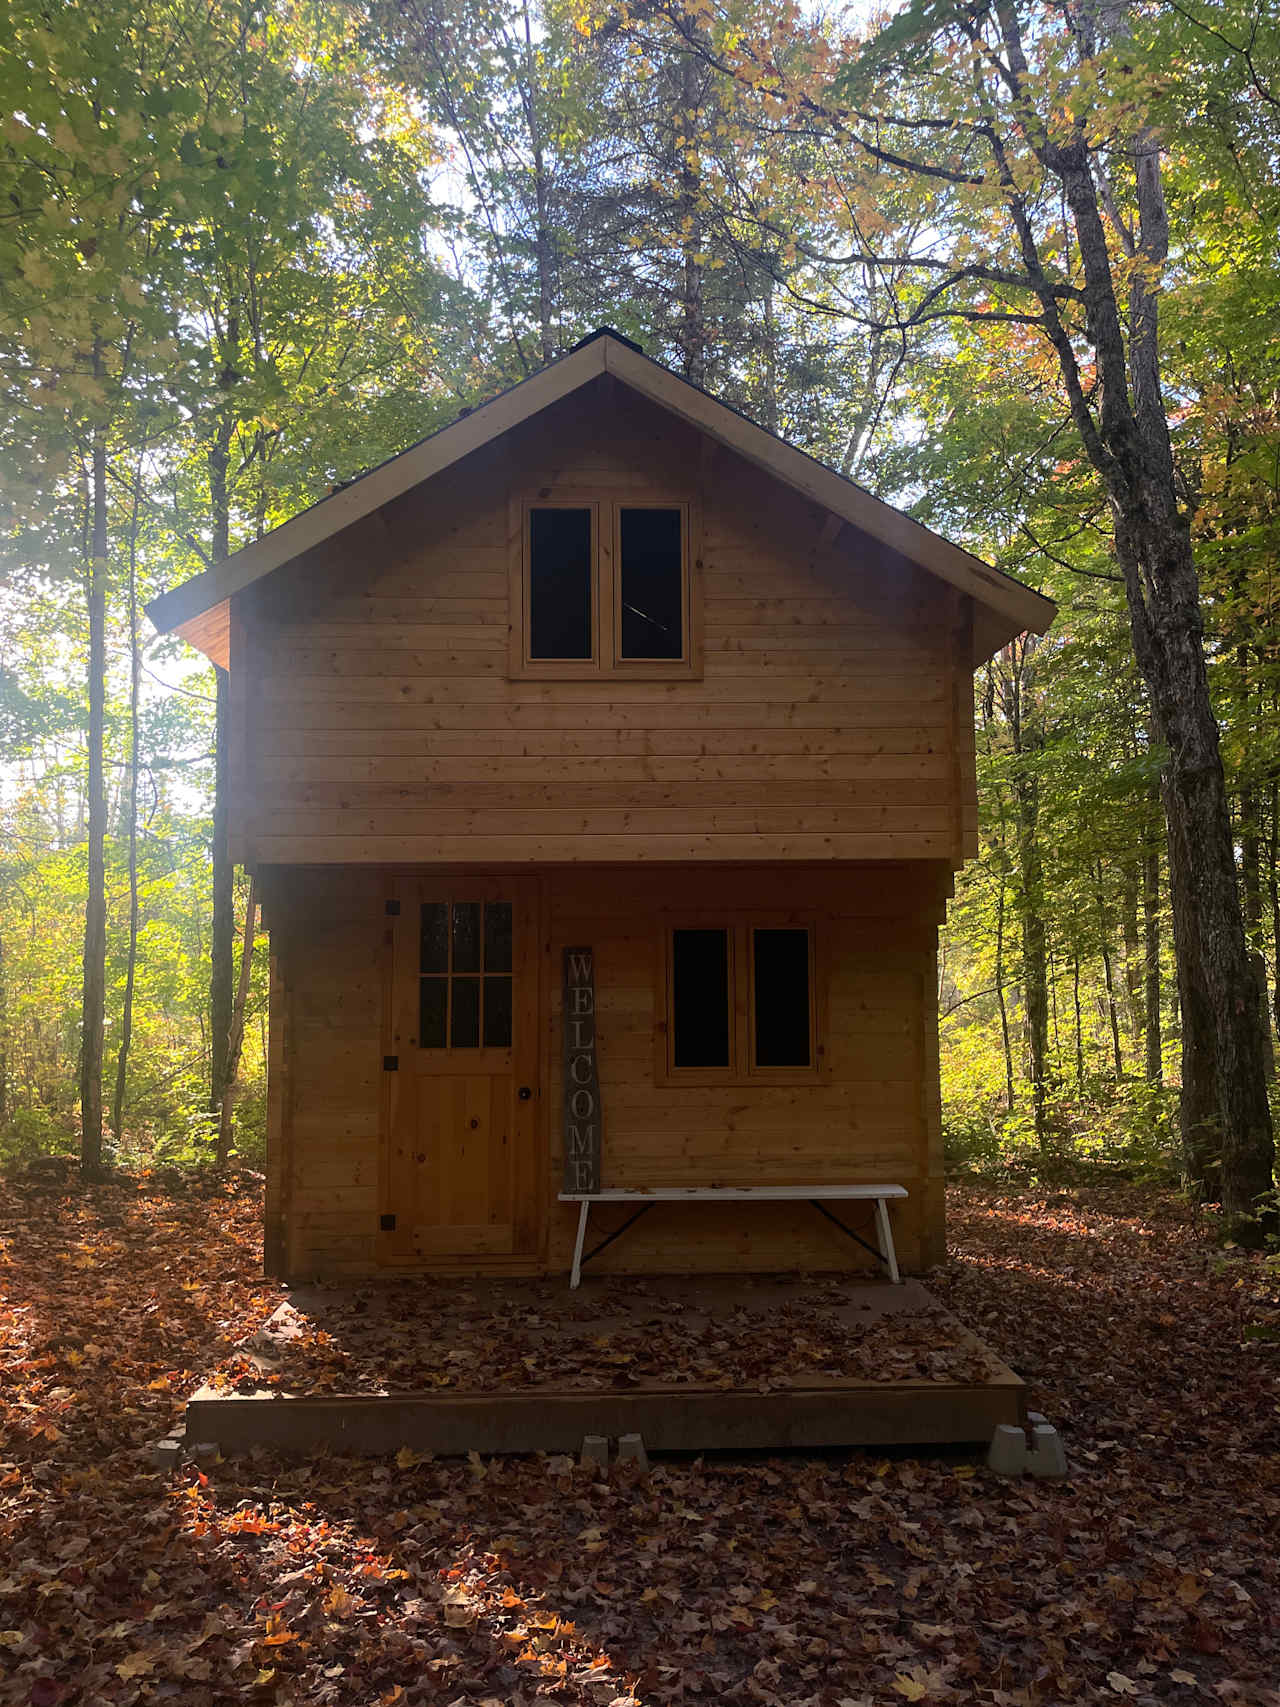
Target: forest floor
{"x":1151,"y":1575}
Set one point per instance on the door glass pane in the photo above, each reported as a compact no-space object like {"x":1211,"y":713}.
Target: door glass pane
{"x":464,"y":1030}
{"x":781,"y":984}
{"x":497,"y":936}
{"x":560,"y":584}
{"x":700,"y":998}
{"x":497,"y":1013}
{"x":435,"y":937}
{"x":651,"y":584}
{"x":433,"y":1003}
{"x":466,"y":936}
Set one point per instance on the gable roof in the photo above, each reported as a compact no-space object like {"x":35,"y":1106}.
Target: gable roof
{"x":198,"y":609}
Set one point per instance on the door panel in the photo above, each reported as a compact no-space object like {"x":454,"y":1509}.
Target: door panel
{"x":460,"y":1174}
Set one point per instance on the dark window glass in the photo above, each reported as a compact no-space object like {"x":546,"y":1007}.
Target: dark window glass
{"x":435,"y":937}
{"x":650,"y":579}
{"x":497,"y":936}
{"x":781,"y":984}
{"x":560,"y":583}
{"x":497,"y":1013}
{"x":433,"y":1005}
{"x":466,"y":936}
{"x":464,"y":1026}
{"x":459,"y":941}
{"x":700,"y":998}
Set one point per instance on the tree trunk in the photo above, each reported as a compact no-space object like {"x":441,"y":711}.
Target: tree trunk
{"x":692,"y":333}
{"x":1000,"y":1001}
{"x":1024,"y":726}
{"x":93,"y":992}
{"x":235,"y":1035}
{"x":131,"y":966}
{"x":1107,"y":978}
{"x":1133,"y":983}
{"x":1198,"y":1101}
{"x":1035,"y":983}
{"x":1075,"y":996}
{"x":222,"y":929}
{"x":1152,"y":1029}
{"x":543,"y":254}
{"x":1131,"y":447}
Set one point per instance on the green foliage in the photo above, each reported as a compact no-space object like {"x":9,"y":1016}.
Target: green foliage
{"x":256,"y":249}
{"x":33,"y":1132}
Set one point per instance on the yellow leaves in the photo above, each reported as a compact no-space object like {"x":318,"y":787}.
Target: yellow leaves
{"x":460,"y":1610}
{"x":1190,"y":1589}
{"x":910,"y":1688}
{"x":1121,"y":1684}
{"x":136,"y":1665}
{"x":408,"y":1459}
{"x":339,"y":1602}
{"x":278,"y":1632}
{"x":11,"y":1638}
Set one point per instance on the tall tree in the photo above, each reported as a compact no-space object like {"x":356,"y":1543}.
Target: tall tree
{"x":1025,"y":132}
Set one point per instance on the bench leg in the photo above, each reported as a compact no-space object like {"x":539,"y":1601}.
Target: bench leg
{"x":584,"y":1209}
{"x":886,"y":1239}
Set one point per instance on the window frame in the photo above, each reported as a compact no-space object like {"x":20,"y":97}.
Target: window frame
{"x":481,"y":1059}
{"x":606,"y":660}
{"x":741,"y":1070}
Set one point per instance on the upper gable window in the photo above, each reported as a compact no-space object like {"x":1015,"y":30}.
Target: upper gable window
{"x":651,"y":582}
{"x":561,"y":558}
{"x":602,"y":587}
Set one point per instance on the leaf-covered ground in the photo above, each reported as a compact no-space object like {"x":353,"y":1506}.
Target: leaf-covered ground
{"x":758,"y":1333}
{"x":1151,"y":1575}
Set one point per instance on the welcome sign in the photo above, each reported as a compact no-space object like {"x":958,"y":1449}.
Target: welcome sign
{"x":582,"y":1121}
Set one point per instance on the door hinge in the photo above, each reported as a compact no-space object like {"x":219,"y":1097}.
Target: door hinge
{"x":391,"y":1063}
{"x":387,"y":1223}
{"x":393,"y":909}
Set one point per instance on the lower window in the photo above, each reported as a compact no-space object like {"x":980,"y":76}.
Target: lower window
{"x":740,"y":1000}
{"x":464,"y":975}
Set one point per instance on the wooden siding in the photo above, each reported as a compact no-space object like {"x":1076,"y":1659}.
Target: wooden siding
{"x":828,"y":719}
{"x":870,"y":1115}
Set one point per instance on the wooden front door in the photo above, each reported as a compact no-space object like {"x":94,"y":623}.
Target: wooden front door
{"x":460,"y":1174}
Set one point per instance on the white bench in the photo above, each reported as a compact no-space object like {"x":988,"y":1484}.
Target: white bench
{"x":817,"y":1195}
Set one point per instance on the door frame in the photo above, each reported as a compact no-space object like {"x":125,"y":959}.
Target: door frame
{"x":399,"y":895}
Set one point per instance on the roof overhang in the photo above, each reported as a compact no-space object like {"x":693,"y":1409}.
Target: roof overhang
{"x":198,"y":609}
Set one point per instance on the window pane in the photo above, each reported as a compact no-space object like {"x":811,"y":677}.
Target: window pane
{"x":700,"y":998}
{"x":435,"y":937}
{"x":497,"y":1013}
{"x":560,"y":583}
{"x":464,"y":1031}
{"x":466,"y":936}
{"x":652,"y":601}
{"x":497,"y":936}
{"x":781,"y":983}
{"x":433,"y":1001}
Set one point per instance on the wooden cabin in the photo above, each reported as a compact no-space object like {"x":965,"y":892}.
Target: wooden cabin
{"x":600,"y":701}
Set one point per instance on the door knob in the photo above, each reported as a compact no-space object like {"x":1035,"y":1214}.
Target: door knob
{"x":524,"y":1093}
